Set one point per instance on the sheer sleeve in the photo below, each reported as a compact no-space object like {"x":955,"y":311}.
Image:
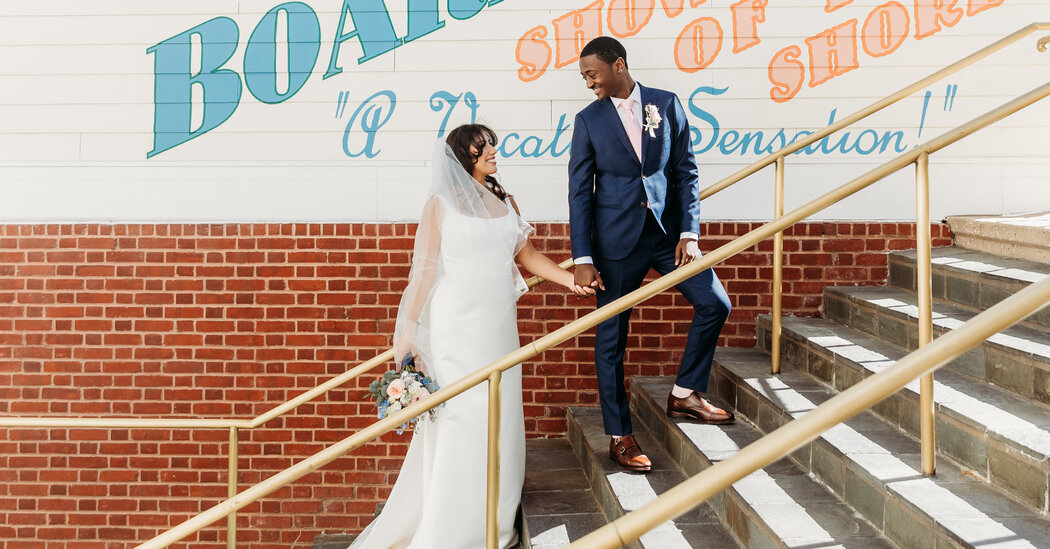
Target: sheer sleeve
{"x":524,"y":232}
{"x":411,"y":333}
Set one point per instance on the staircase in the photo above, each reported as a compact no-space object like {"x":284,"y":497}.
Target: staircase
{"x":859,"y":484}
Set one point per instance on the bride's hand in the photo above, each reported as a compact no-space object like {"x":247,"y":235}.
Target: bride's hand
{"x":569,"y":281}
{"x":402,"y":350}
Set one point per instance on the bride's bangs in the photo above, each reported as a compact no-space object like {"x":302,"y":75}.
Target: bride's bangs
{"x":483,"y":135}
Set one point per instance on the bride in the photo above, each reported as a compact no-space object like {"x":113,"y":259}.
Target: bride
{"x":457,"y":315}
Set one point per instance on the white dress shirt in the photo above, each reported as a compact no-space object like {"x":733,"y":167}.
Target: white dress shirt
{"x":637,"y":108}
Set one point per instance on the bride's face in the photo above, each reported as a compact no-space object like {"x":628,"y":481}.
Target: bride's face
{"x":486,"y":161}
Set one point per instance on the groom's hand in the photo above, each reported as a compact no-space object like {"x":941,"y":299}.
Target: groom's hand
{"x":686,"y":252}
{"x":587,"y":275}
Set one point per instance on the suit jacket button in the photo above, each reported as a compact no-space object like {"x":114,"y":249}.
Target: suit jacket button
{"x":643,"y":204}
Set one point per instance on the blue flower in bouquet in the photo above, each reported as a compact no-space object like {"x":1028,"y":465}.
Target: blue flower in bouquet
{"x":395,"y":390}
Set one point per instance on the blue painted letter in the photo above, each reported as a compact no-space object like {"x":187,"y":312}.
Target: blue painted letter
{"x":260,"y":56}
{"x":172,"y":81}
{"x":423,"y":19}
{"x":370,"y":112}
{"x":372,"y":28}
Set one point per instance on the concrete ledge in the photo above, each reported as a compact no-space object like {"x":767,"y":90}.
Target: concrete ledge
{"x":1022,"y":236}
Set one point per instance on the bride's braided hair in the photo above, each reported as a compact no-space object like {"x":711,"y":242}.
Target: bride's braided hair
{"x":462,"y":138}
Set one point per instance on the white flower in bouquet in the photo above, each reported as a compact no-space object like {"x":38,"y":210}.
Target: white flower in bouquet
{"x":394,"y":407}
{"x":423,"y":393}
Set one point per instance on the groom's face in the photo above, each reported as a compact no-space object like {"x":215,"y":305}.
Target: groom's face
{"x":604,"y":79}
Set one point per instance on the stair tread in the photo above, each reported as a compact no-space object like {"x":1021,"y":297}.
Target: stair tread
{"x":696,"y":528}
{"x":1018,"y":339}
{"x":983,"y":264}
{"x":972,"y":511}
{"x":1007,"y":417}
{"x":557,"y":505}
{"x":796,"y":508}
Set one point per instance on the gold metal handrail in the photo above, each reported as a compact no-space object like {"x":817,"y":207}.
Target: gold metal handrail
{"x":492,"y":371}
{"x":234,"y":425}
{"x":779,"y":156}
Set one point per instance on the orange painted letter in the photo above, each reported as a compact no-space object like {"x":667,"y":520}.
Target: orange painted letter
{"x":832,"y":5}
{"x":832,"y":53}
{"x":698,"y":44}
{"x":573,"y":30}
{"x":533,"y":54}
{"x":974,"y":7}
{"x":786,"y":73}
{"x":885,"y":29}
{"x":747,"y":14}
{"x":929,"y":14}
{"x":627,"y":17}
{"x":673,"y":7}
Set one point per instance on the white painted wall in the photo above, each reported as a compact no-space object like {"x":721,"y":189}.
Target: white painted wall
{"x":77,"y":113}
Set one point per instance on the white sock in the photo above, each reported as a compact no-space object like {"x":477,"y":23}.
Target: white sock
{"x":681,"y":392}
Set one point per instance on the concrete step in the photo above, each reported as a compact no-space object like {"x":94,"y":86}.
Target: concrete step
{"x":1016,"y":359}
{"x":971,"y":279}
{"x":1022,"y":236}
{"x":779,"y":506}
{"x":874,"y":466}
{"x":620,"y":492}
{"x":557,"y":505}
{"x":1000,"y":436}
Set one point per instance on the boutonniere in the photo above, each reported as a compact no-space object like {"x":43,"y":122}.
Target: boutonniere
{"x":652,"y":119}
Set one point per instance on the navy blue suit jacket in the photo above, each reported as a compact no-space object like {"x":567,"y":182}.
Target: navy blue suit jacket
{"x":609,"y":189}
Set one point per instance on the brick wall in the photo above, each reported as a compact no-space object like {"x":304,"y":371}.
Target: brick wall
{"x":228,"y":321}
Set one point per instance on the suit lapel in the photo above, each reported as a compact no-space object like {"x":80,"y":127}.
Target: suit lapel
{"x":645,"y":100}
{"x":612,"y":118}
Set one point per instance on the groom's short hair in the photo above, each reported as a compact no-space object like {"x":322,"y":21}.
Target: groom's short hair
{"x":607,"y":48}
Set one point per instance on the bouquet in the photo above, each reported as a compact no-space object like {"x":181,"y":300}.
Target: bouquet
{"x":395,"y":390}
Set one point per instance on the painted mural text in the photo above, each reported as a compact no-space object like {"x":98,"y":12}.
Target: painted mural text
{"x":708,"y":133}
{"x":827,"y":55}
{"x":366,"y":21}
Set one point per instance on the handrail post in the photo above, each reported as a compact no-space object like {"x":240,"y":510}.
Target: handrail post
{"x":778,"y":269}
{"x":231,"y":519}
{"x":492,"y":506}
{"x":923,"y":295}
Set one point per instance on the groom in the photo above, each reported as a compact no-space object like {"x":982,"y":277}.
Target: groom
{"x":634,"y":205}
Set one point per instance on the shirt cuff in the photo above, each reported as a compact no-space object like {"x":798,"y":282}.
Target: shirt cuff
{"x":585,"y":260}
{"x":693,"y":236}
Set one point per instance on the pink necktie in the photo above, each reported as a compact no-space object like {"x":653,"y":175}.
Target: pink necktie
{"x":634,"y":129}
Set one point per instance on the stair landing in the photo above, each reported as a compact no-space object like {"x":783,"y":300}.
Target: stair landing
{"x":1021,"y":236}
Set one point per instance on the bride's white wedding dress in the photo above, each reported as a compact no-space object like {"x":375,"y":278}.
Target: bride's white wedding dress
{"x":468,"y":319}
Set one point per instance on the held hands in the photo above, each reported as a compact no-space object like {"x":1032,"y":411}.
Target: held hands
{"x":686,"y":252}
{"x":585,"y":279}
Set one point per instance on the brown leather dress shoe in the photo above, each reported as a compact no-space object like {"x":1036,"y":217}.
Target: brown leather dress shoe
{"x":696,"y":407}
{"x":628,"y":455}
